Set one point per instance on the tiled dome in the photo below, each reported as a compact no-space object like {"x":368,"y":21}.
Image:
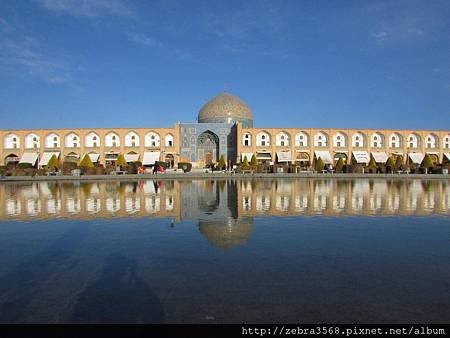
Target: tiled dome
{"x":226,"y":108}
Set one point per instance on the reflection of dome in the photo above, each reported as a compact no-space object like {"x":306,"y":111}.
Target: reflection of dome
{"x":226,"y":108}
{"x":228,"y":233}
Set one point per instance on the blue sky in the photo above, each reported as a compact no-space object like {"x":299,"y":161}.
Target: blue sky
{"x":324,"y":64}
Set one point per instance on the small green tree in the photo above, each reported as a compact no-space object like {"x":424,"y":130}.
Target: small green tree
{"x":427,"y":163}
{"x":221,"y":163}
{"x":340,"y":165}
{"x":372,"y":163}
{"x":253,"y":161}
{"x":121,"y":162}
{"x":319,"y":165}
{"x":245,"y":161}
{"x":53,"y":162}
{"x":390,"y":164}
{"x":86,"y":162}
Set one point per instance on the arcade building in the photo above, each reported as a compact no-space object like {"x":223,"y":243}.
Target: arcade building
{"x":224,"y":128}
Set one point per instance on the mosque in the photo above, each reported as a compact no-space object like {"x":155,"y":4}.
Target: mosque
{"x":224,"y":128}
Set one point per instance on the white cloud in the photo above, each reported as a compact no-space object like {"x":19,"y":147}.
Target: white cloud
{"x":88,"y":8}
{"x":142,"y":39}
{"x":380,"y":36}
{"x":21,"y":52}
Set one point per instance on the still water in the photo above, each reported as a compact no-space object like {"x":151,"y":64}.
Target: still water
{"x":225,"y":251}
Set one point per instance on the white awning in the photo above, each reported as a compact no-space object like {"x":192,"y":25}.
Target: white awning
{"x":324,"y":155}
{"x":361,"y":156}
{"x":29,"y":158}
{"x":284,"y":156}
{"x":249,"y":156}
{"x":264,"y":156}
{"x":47,"y":156}
{"x":150,"y":157}
{"x":416,"y":158}
{"x":380,"y":157}
{"x":94,"y":157}
{"x":131,"y":157}
{"x":447,"y":155}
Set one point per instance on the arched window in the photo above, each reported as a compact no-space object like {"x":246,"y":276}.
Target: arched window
{"x":247,"y":140}
{"x":339,"y":140}
{"x":376,"y":141}
{"x":12,"y":141}
{"x":72,"y":141}
{"x":132,"y":139}
{"x":357,"y":140}
{"x":92,"y":140}
{"x":262,"y":139}
{"x":320,"y":140}
{"x":301,"y":140}
{"x":52,"y":141}
{"x":152,"y":140}
{"x":395,"y":140}
{"x":168,"y":140}
{"x":447,"y":142}
{"x":282,"y":139}
{"x":413,"y":141}
{"x":112,"y":140}
{"x":431,"y":141}
{"x":32,"y":141}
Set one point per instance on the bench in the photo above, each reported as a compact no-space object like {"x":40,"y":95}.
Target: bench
{"x":247,"y":171}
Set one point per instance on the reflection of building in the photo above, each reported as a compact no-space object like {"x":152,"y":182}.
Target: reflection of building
{"x":228,"y":232}
{"x":221,"y":200}
{"x":225,"y":127}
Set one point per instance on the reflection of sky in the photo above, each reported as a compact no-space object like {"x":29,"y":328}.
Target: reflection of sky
{"x":334,"y":269}
{"x":203,"y":199}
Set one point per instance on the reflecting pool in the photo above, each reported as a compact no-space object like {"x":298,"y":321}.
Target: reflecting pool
{"x":225,"y":251}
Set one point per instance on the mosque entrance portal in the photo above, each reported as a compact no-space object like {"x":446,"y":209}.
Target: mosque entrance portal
{"x":208,"y":147}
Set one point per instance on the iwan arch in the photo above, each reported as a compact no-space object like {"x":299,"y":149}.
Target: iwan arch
{"x":224,"y":128}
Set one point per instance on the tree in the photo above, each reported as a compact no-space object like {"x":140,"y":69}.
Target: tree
{"x":86,"y":162}
{"x":319,"y":165}
{"x":121,"y":162}
{"x":245,"y":161}
{"x":340,"y":165}
{"x":253,"y":161}
{"x":53,"y":162}
{"x":372,"y":163}
{"x":427,"y":163}
{"x":389,"y":164}
{"x":221,"y":163}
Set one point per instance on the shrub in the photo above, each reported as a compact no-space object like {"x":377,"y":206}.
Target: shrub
{"x":253,"y":161}
{"x":427,"y":163}
{"x":339,"y":165}
{"x":221,"y":165}
{"x":121,"y":162}
{"x":86,"y":162}
{"x":53,"y":162}
{"x":245,"y":161}
{"x":185,"y":166}
{"x":389,"y":164}
{"x":319,"y":165}
{"x":24,"y":166}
